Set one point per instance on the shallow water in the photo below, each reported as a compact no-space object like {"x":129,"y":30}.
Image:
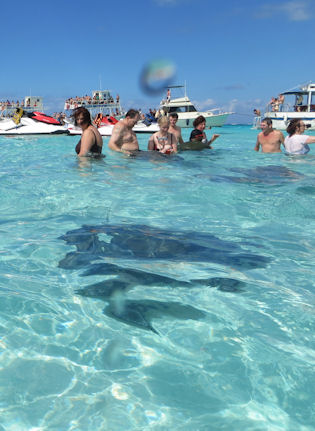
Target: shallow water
{"x":156,"y":292}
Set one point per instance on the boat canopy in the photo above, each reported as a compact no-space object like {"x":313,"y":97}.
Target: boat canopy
{"x":300,"y":92}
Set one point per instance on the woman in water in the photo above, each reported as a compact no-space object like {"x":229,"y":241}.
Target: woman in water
{"x":91,"y":141}
{"x":297,"y":142}
{"x":198,"y":137}
{"x":163,"y":141}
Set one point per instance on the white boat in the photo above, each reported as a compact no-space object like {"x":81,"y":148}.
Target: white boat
{"x":104,"y":130}
{"x":187,"y":112}
{"x":27,"y":118}
{"x":30,"y":123}
{"x":101,"y":102}
{"x":296,"y":103}
{"x":143,"y":127}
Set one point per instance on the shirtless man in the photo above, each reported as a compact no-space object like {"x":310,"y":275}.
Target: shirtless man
{"x":173,"y":116}
{"x":269,"y":139}
{"x":123,"y":138}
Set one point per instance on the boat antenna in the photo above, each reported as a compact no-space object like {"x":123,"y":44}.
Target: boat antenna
{"x":100,"y":78}
{"x":185,"y":88}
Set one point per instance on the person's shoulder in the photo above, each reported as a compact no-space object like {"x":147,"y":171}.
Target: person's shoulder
{"x":88,"y":131}
{"x":277,"y":132}
{"x":119,"y":126}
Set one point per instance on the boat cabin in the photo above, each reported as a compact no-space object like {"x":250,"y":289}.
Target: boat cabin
{"x":182,"y":104}
{"x":301,"y":100}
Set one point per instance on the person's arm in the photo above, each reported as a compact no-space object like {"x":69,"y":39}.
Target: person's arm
{"x":257,"y":144}
{"x":180,"y":139}
{"x":87,"y":141}
{"x":214,"y":137}
{"x":114,"y":140}
{"x":281,"y":138}
{"x":173,"y":143}
{"x":151,"y":143}
{"x":310,"y":140}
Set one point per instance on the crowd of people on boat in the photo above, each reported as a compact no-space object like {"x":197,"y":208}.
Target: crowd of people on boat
{"x":11,"y":104}
{"x":75,"y":102}
{"x":276,"y":103}
{"x":168,"y":140}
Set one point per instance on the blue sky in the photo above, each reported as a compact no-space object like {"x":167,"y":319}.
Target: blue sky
{"x":232,"y":54}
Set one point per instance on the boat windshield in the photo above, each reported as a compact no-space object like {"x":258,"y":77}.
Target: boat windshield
{"x":182,"y":109}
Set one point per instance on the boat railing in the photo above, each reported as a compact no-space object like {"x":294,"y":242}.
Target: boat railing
{"x":256,"y":122}
{"x":288,"y":107}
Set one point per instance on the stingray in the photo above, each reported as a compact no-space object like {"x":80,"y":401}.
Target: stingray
{"x":270,"y":174}
{"x":138,"y":313}
{"x":140,"y":242}
{"x":124,"y":279}
{"x":306,"y":190}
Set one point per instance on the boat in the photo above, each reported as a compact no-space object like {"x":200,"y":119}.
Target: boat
{"x":101,"y":103}
{"x":187,"y":112}
{"x":24,"y":118}
{"x":30,"y":126}
{"x":298,"y":103}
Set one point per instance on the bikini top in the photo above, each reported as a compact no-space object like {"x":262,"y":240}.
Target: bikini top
{"x":162,"y":141}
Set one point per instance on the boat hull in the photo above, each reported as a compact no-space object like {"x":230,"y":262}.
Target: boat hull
{"x":213,"y":120}
{"x":28,"y":126}
{"x":281,"y":120}
{"x":104,"y":130}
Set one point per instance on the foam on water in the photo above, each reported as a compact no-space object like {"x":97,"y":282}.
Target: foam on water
{"x":154,"y":292}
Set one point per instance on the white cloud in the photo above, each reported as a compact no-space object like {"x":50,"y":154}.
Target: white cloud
{"x":294,"y":10}
{"x":205,"y":104}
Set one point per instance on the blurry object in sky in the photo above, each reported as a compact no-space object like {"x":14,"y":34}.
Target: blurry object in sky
{"x":156,"y":75}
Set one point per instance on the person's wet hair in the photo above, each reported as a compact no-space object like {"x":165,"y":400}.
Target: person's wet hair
{"x":132,"y":113}
{"x":84,"y":112}
{"x":267,"y":120}
{"x":163,"y":121}
{"x":173,"y":115}
{"x":199,"y":120}
{"x":293,"y":125}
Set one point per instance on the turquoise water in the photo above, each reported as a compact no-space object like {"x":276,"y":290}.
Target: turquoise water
{"x":156,"y":293}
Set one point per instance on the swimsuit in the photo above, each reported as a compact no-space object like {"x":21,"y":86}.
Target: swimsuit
{"x":94,"y":149}
{"x":162,"y":142}
{"x":197,"y":134}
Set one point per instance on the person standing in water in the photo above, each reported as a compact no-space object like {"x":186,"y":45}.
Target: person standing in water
{"x":163,"y":141}
{"x":198,"y":139}
{"x":91,"y":142}
{"x":297,"y":142}
{"x":123,"y":138}
{"x":175,"y":130}
{"x":269,"y":140}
